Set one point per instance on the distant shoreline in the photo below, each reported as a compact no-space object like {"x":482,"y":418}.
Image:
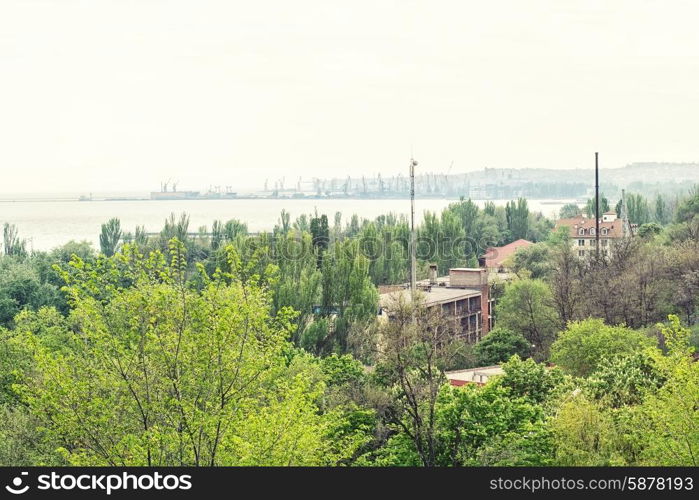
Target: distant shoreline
{"x":546,"y":201}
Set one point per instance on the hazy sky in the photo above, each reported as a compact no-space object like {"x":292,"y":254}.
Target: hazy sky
{"x":116,"y":95}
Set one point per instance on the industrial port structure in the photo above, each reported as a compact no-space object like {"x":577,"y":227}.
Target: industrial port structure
{"x":214,"y":193}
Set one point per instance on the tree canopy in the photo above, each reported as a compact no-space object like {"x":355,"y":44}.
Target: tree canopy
{"x":586,"y":345}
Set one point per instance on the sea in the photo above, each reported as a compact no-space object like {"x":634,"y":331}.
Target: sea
{"x":48,"y":221}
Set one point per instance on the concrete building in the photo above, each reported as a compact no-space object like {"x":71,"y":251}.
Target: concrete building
{"x":582,"y":233}
{"x":463,"y":295}
{"x":478,"y":376}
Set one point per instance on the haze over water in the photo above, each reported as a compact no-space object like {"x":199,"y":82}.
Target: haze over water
{"x":48,"y":224}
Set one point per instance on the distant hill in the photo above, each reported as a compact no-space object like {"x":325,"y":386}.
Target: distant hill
{"x":653,"y":172}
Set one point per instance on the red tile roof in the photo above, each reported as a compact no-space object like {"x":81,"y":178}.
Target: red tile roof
{"x":495,"y":256}
{"x":614,"y":228}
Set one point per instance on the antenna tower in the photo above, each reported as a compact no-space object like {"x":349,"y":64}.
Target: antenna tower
{"x":413,"y":258}
{"x":597,"y":205}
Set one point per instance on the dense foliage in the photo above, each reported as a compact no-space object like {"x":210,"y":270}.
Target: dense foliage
{"x":229,"y":348}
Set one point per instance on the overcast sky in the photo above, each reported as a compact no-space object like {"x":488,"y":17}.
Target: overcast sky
{"x":117,"y":95}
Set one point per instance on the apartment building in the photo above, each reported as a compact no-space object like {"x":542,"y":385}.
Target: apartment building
{"x":583,"y":235}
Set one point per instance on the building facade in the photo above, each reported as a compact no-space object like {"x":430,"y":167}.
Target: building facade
{"x":463,"y":296}
{"x":583,"y":236}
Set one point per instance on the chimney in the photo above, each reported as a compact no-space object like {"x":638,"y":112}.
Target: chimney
{"x":433,"y":274}
{"x":464,"y":277}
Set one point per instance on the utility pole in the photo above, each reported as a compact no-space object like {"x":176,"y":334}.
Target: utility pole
{"x":597,"y":205}
{"x":413,"y":258}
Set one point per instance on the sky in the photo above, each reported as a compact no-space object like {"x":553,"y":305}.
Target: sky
{"x":120,"y":95}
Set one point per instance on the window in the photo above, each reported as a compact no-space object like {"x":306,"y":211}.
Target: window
{"x":593,"y":243}
{"x":581,"y":231}
{"x":581,"y":253}
{"x":474,"y":304}
{"x":581,"y":243}
{"x":604,"y":230}
{"x":604,"y":252}
{"x":461,"y":307}
{"x":592,"y":231}
{"x":604,"y":243}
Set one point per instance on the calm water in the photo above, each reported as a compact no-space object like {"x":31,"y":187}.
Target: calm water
{"x":47,"y":224}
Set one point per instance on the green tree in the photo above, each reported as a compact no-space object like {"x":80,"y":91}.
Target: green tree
{"x":110,"y":237}
{"x":451,"y":252}
{"x":234,"y":228}
{"x":590,"y":206}
{"x":668,"y":419}
{"x":534,"y":260}
{"x":22,"y":287}
{"x":625,"y":380}
{"x":689,"y":206}
{"x":517,"y":214}
{"x":539,"y":227}
{"x":320,"y":232}
{"x":415,"y":345}
{"x":12,"y":243}
{"x":585,"y":345}
{"x":584,"y":434}
{"x":22,"y":440}
{"x":284,"y":223}
{"x":140,"y":236}
{"x":217,"y":235}
{"x":686,"y":225}
{"x":564,"y":277}
{"x":488,"y":426}
{"x":64,"y":253}
{"x":298,"y":283}
{"x":661,"y":214}
{"x":499,"y":346}
{"x":348,"y":296}
{"x":649,"y":229}
{"x":638,"y":409}
{"x":529,"y":379}
{"x":526,"y":307}
{"x":175,"y":228}
{"x":569,"y":210}
{"x":157,"y":373}
{"x":639,"y":211}
{"x":384,"y":243}
{"x":48,"y":326}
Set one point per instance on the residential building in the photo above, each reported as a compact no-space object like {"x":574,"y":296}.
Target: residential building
{"x":584,"y":239}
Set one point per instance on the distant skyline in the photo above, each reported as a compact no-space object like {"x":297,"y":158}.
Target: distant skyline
{"x":99,"y":95}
